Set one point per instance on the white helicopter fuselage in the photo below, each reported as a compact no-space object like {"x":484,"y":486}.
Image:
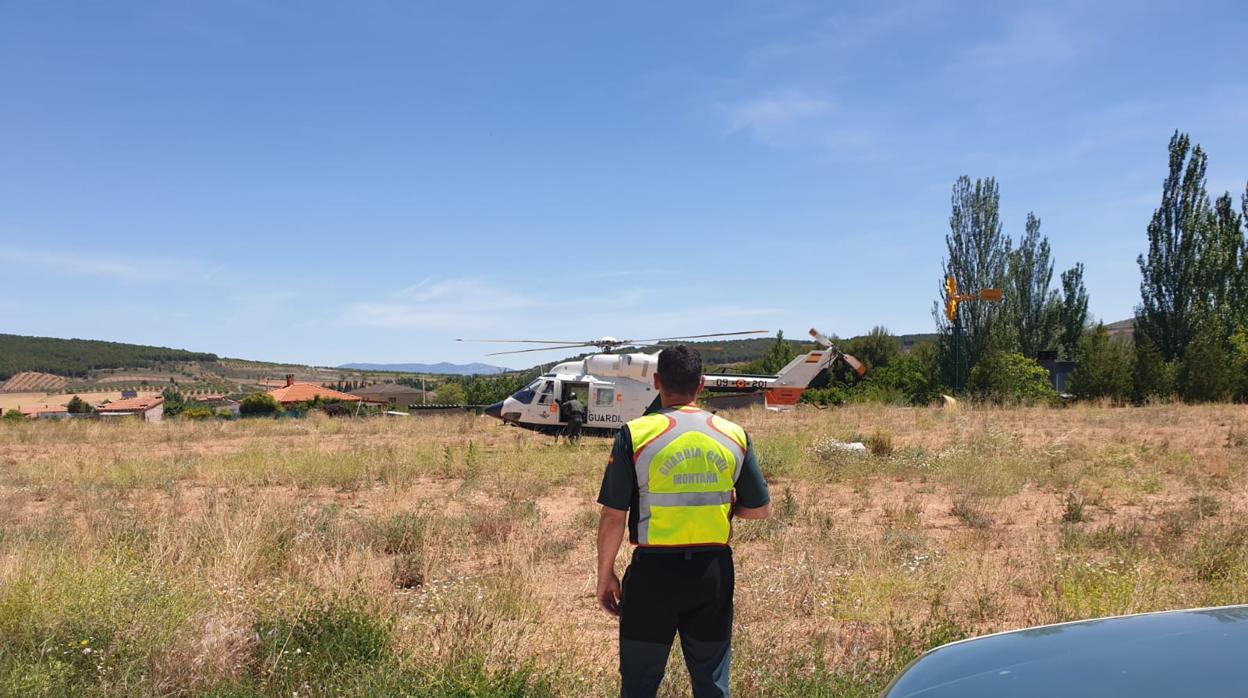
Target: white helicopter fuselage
{"x":617,"y":388}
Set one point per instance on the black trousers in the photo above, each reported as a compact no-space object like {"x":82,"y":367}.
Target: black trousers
{"x":665,"y":593}
{"x":573,"y":430}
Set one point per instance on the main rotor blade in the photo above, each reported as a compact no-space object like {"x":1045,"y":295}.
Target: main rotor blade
{"x":854,"y":364}
{"x":700,"y":336}
{"x":820,"y":337}
{"x":525,"y":351}
{"x":528,"y":341}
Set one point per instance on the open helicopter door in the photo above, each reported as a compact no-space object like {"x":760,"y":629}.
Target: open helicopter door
{"x":579,"y":390}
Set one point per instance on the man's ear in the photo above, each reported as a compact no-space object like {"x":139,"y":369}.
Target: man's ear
{"x":657,"y":385}
{"x":701,"y":385}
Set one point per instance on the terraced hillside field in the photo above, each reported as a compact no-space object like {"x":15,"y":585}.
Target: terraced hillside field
{"x":33,"y":381}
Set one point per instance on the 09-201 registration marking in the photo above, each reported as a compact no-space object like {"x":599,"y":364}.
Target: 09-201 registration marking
{"x":739,"y":383}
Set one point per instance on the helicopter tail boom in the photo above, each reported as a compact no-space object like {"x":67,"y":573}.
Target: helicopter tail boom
{"x":783,"y":390}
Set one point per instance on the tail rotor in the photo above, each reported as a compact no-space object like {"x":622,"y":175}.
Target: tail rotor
{"x":854,"y":364}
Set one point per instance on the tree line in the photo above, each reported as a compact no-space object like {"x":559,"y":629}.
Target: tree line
{"x":1191,"y":326}
{"x":1190,"y":337}
{"x":77,"y":357}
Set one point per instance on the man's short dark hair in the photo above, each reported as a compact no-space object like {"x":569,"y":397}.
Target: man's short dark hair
{"x":680,"y":369}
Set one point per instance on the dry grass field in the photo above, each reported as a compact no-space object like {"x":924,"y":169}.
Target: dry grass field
{"x":449,"y":555}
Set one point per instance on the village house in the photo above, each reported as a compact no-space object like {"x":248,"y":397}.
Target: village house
{"x":390,"y":395}
{"x":294,"y":393}
{"x":149,"y":409}
{"x":46,"y":412}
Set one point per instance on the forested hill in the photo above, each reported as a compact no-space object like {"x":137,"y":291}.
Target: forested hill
{"x":728,"y":354}
{"x":735,"y":351}
{"x":74,"y":357}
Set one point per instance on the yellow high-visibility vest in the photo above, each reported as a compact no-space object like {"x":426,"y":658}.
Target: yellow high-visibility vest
{"x":687,"y":462}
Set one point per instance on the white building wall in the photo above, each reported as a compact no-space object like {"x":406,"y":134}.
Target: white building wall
{"x":155,"y":414}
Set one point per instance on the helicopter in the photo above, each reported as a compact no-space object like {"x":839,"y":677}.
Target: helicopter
{"x":619,"y":387}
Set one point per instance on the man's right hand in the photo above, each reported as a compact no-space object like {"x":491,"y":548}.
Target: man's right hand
{"x":609,"y":593}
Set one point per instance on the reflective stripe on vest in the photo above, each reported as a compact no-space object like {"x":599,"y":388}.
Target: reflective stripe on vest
{"x":687,"y":463}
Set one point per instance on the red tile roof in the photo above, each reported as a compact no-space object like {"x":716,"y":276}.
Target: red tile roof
{"x":303,"y":392}
{"x":134,"y":404}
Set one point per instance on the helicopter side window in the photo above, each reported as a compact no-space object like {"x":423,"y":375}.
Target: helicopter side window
{"x":604,"y":397}
{"x":547,"y":394}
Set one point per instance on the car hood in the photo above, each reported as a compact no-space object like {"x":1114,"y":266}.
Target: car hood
{"x":1197,"y":652}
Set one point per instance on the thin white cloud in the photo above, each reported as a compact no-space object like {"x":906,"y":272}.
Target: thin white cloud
{"x":776,"y":116}
{"x":133,"y":269}
{"x":791,"y":118}
{"x":836,"y":38}
{"x":440,"y":304}
{"x":1033,"y":45}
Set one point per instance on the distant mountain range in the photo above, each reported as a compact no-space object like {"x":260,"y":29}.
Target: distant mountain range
{"x":442,"y":367}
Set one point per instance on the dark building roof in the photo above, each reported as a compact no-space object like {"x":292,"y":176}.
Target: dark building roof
{"x":386,"y":389}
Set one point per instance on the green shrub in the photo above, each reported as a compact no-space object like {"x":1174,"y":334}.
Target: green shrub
{"x":174,"y":402}
{"x":77,"y":405}
{"x":1152,"y":377}
{"x":831,"y":396}
{"x":259,"y":404}
{"x":1206,"y":372}
{"x":877,"y":349}
{"x":1103,"y":367}
{"x":1006,"y":378}
{"x":198,"y":412}
{"x":13,"y":416}
{"x":907,"y":377}
{"x":1239,"y":364}
{"x":449,"y":394}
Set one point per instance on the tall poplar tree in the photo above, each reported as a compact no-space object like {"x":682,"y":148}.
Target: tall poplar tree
{"x":1073,"y":312}
{"x":1222,"y":265}
{"x":1171,"y":286}
{"x":977,"y":258}
{"x":1032,"y":308}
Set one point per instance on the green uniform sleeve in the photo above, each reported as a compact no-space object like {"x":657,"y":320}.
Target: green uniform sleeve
{"x":751,"y":487}
{"x":619,"y":482}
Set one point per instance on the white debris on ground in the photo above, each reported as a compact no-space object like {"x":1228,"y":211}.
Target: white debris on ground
{"x":826,"y":446}
{"x":848,"y":446}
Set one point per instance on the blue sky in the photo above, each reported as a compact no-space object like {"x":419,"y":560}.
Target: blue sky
{"x":365,"y":181}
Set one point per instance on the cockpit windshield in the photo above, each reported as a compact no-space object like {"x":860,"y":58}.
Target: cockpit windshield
{"x":525,"y":395}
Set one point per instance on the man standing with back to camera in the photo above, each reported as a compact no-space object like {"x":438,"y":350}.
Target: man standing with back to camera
{"x":676,"y":477}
